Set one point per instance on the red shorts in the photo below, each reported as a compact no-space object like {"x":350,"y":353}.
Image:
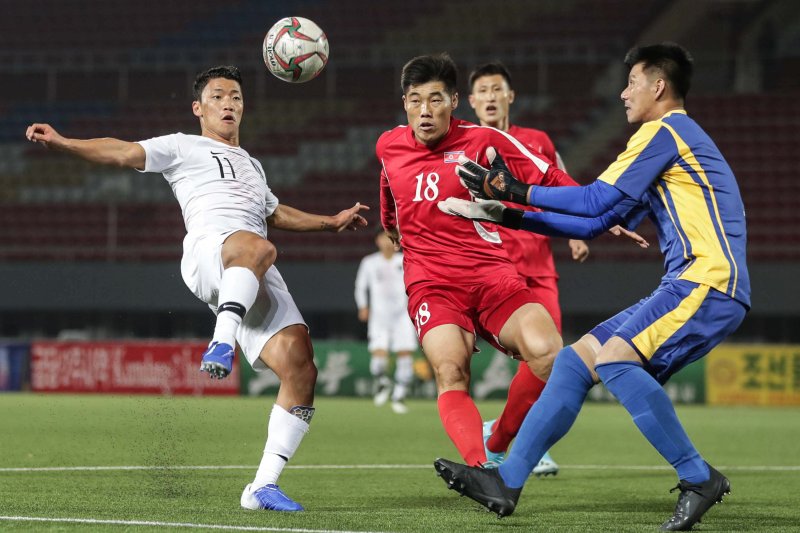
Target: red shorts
{"x":484,"y":307}
{"x":545,"y":290}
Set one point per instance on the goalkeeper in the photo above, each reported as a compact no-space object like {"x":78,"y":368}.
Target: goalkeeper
{"x":672,"y":172}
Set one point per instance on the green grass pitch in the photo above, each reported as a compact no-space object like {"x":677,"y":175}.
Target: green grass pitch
{"x":610,"y":479}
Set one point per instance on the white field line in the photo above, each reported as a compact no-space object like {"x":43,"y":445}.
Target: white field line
{"x":170,"y":524}
{"x":209,"y":467}
{"x":764,"y":468}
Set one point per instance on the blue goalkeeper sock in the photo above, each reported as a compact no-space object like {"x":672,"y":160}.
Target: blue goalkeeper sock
{"x":550,"y":417}
{"x":654,"y":415}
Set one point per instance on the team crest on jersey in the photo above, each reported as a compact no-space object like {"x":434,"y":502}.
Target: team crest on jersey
{"x":452,"y":157}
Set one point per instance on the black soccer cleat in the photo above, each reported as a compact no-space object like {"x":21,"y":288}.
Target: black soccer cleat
{"x":695,"y":500}
{"x":484,"y":485}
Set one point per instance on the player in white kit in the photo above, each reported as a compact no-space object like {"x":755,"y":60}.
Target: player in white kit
{"x":382,"y":302}
{"x":227,"y":259}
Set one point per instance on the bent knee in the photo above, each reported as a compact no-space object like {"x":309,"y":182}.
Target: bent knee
{"x":264,"y":255}
{"x":541,"y":347}
{"x":306,"y":373}
{"x":450,"y":375}
{"x":269,"y":253}
{"x":290,"y":354}
{"x":257,"y":254}
{"x":540,"y":353}
{"x":617,"y":350}
{"x":542,"y":366}
{"x":300,"y":372}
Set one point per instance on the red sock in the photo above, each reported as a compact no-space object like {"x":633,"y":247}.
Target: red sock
{"x":463,"y":424}
{"x":524,"y":390}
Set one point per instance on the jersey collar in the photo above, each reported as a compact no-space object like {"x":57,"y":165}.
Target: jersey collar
{"x":672,"y":112}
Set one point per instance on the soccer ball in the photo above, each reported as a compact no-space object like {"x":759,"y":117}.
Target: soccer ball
{"x":295,"y":49}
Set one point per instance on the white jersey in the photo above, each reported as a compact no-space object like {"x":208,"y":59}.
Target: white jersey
{"x":382,"y":280}
{"x":220,"y":187}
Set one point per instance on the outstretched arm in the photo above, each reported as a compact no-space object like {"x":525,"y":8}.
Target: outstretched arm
{"x":107,"y":151}
{"x":552,"y":224}
{"x":586,"y":201}
{"x":573,"y":227}
{"x":498,"y":183}
{"x":291,"y":219}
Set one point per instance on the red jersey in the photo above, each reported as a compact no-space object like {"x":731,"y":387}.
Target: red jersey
{"x":414,"y":178}
{"x":531,"y":252}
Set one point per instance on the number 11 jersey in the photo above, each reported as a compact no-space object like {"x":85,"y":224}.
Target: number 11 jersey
{"x":220,"y":187}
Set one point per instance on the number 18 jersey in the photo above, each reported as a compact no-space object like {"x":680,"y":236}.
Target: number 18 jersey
{"x":415,"y":178}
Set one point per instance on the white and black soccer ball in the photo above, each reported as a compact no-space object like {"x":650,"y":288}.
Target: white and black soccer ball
{"x":295,"y":49}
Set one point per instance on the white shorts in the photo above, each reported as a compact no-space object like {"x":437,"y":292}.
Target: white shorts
{"x":273,"y":310}
{"x":392,"y":335}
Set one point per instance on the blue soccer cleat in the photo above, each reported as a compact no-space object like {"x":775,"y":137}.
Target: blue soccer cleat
{"x":546,"y":466}
{"x":493,"y":459}
{"x":269,"y":497}
{"x":218,"y":360}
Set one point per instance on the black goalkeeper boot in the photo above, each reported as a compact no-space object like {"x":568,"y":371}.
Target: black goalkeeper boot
{"x":484,"y":485}
{"x":695,"y":500}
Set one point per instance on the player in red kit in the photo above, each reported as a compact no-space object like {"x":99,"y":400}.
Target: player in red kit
{"x":490,"y":97}
{"x":459,"y":278}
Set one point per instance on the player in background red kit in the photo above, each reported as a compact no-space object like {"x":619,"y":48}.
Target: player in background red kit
{"x":490,"y":97}
{"x":458,"y":276}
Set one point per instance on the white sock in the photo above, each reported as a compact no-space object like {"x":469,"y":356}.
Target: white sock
{"x":284,"y":434}
{"x":399,"y":392}
{"x":237,"y":292}
{"x":403,"y":375}
{"x":378,"y":365}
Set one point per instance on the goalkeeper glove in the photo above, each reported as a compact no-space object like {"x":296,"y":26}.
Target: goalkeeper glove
{"x":495,"y":183}
{"x":483,"y":210}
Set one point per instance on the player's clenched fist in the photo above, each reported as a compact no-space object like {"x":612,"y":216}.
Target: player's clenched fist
{"x":495,"y":183}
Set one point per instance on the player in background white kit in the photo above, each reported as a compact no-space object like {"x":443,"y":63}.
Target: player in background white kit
{"x":227,"y":259}
{"x":382,"y":303}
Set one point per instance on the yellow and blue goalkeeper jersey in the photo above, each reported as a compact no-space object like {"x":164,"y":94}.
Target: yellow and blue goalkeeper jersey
{"x":675,"y":168}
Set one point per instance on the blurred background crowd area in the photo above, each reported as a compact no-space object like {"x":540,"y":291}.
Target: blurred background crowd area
{"x":94,"y":252}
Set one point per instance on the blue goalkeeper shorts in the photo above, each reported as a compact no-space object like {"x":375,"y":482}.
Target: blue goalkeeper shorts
{"x":676,"y":325}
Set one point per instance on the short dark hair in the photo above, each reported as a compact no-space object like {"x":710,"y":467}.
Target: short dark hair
{"x":228,"y":72}
{"x":671,"y":59}
{"x":489,"y":69}
{"x":424,"y":69}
